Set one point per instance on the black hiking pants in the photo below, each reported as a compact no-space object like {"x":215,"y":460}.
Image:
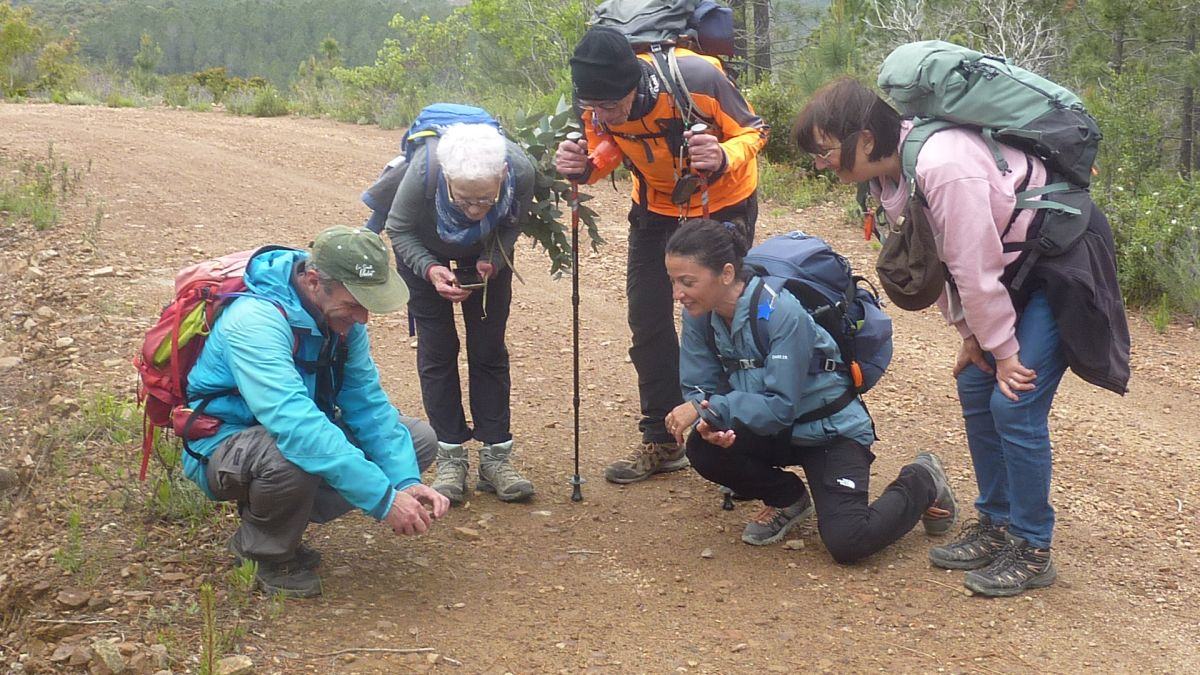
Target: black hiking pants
{"x":655,"y":347}
{"x":838,"y":476}
{"x":487,"y":357}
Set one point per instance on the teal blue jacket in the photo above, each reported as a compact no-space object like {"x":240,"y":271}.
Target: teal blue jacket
{"x":251,"y":348}
{"x":768,"y":400}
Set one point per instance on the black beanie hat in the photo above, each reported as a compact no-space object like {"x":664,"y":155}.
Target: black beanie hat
{"x":604,"y":67}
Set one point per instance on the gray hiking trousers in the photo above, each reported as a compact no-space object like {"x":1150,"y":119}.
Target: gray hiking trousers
{"x":276,"y":500}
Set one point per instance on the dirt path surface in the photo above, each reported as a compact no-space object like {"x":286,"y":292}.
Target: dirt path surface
{"x":614,"y":584}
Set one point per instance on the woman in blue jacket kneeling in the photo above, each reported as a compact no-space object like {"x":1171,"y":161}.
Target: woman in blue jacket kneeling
{"x":747,"y":421}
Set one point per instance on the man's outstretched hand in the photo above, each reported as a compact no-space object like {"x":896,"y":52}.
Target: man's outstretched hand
{"x":409,"y":513}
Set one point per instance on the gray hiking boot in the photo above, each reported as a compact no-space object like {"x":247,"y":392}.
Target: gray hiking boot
{"x":293,"y":578}
{"x":976,"y":547}
{"x":942,"y":514}
{"x":647,"y":460}
{"x":497,"y":474}
{"x":452,"y":467}
{"x":1017,"y":568}
{"x":288,"y":579}
{"x":771,"y":524}
{"x":307,"y":557}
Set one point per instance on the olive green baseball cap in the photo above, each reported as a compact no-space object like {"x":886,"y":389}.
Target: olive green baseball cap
{"x":358,"y":259}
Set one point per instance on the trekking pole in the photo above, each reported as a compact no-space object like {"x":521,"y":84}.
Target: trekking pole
{"x":576,"y":481}
{"x":702,"y":128}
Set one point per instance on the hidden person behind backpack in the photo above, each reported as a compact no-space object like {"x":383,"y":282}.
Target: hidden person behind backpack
{"x":774,"y":411}
{"x":453,"y":223}
{"x":306,"y":432}
{"x":631,"y":112}
{"x":974,"y":198}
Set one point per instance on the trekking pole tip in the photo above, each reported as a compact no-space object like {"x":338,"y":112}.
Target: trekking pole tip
{"x":576,"y":489}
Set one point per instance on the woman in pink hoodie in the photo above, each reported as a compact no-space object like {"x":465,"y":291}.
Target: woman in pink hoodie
{"x":1011,"y":359}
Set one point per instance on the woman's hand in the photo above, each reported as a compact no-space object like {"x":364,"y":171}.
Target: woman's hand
{"x":970,"y":352}
{"x":445,"y":283}
{"x":1014,"y":377}
{"x":721,"y":439}
{"x":678,"y":420}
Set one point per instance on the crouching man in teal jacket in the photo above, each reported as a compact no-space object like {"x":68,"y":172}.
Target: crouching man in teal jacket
{"x":306,"y":431}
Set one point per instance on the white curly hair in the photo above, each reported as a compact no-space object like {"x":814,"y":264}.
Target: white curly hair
{"x":471,"y":151}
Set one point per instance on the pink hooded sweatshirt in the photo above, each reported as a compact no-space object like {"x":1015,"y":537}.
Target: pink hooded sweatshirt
{"x":970,"y":204}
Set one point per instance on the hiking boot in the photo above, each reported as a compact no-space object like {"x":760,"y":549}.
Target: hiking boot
{"x":647,"y":460}
{"x":451,"y":477}
{"x":307,"y":557}
{"x":497,"y":474}
{"x":772,"y":523}
{"x":976,"y":547}
{"x":288,"y":579}
{"x":942,"y":514}
{"x":293,"y":578}
{"x":1017,"y":568}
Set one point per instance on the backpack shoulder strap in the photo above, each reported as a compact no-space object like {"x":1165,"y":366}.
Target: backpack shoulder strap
{"x":911,"y":147}
{"x":433,"y":170}
{"x":762,"y":309}
{"x":666,"y":64}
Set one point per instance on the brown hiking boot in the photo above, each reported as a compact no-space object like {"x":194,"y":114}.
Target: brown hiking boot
{"x":647,"y":460}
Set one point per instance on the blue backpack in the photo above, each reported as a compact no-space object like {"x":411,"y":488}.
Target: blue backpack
{"x":824,"y":283}
{"x":425,"y":130}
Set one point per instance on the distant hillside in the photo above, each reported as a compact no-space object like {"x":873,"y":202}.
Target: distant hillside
{"x":248,"y":37}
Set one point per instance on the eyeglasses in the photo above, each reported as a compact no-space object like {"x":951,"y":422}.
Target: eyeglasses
{"x":828,"y":154}
{"x":466,"y":203}
{"x":606,"y":106}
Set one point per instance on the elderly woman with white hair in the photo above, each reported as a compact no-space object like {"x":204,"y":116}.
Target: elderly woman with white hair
{"x":454,"y":247}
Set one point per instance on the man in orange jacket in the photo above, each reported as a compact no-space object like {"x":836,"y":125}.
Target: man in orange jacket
{"x":630,"y":115}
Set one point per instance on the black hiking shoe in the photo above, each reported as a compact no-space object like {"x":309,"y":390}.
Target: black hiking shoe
{"x":307,"y":557}
{"x":1018,"y":568}
{"x":976,"y":547}
{"x":942,"y":514}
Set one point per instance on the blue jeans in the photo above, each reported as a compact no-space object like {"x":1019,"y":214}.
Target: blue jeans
{"x":1010,"y":440}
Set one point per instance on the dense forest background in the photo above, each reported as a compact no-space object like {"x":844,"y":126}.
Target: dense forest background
{"x":1135,"y":63}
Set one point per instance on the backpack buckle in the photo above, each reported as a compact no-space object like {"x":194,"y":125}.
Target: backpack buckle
{"x":748,"y":364}
{"x":829,"y":366}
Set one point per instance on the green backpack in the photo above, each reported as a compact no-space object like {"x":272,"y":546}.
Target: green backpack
{"x":940,"y":85}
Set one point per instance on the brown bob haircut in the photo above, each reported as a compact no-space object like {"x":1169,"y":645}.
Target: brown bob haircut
{"x":840,"y":110}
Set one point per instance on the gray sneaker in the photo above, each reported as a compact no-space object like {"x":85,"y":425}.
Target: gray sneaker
{"x":647,"y":460}
{"x":978,"y":545}
{"x":771,"y":524}
{"x":942,"y":514}
{"x":497,"y":474}
{"x":452,"y":467}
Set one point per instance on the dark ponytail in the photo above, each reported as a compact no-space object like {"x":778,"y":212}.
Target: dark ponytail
{"x":711,"y":243}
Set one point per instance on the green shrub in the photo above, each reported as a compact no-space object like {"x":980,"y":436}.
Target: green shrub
{"x":777,"y":105}
{"x":116,"y":100}
{"x":796,"y":187}
{"x":76,"y":97}
{"x":268,"y":102}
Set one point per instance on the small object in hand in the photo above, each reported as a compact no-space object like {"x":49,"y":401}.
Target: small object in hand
{"x":468,"y":278}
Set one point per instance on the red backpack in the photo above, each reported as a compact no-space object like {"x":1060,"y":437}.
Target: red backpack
{"x":174,"y":343}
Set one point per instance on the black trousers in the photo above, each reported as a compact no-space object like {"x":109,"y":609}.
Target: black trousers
{"x":838,"y":477}
{"x":655,"y":347}
{"x":487,"y":357}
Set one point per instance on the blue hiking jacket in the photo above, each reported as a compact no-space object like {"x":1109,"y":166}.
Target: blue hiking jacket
{"x":251,"y":347}
{"x":768,"y":400}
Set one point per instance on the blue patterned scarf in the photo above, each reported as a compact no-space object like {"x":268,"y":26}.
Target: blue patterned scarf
{"x":454,"y":227}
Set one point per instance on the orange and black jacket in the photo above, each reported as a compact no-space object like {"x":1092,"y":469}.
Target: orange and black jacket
{"x":650,"y":140}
